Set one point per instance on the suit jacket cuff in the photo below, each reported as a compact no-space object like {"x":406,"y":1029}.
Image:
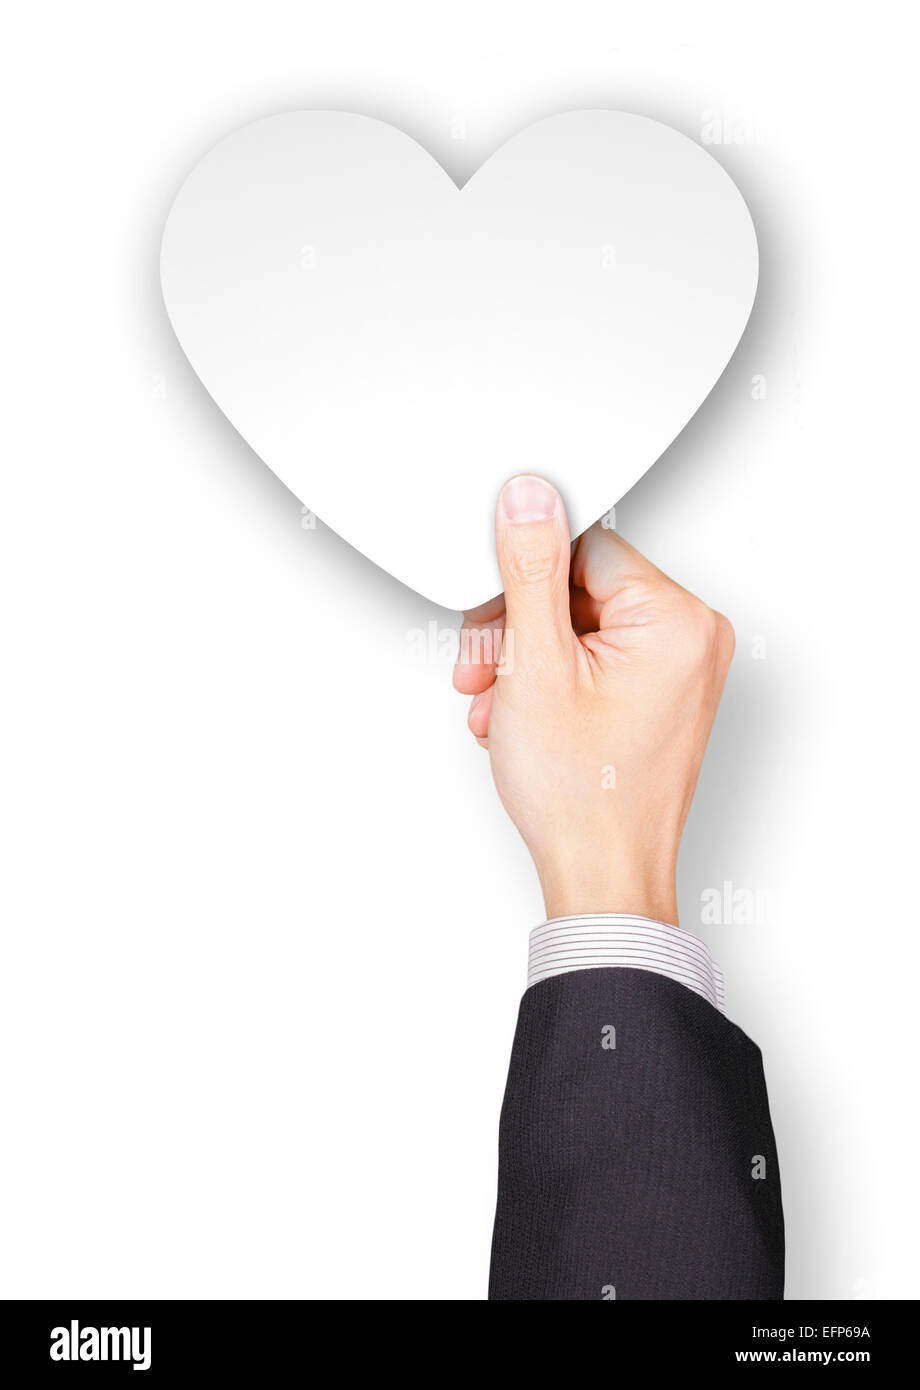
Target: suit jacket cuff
{"x":602,"y":940}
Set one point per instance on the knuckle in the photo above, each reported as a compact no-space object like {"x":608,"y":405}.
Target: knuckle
{"x":726,"y":638}
{"x":534,"y":566}
{"x":700,"y":630}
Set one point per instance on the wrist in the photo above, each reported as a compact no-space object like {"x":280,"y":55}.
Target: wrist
{"x":575,"y":890}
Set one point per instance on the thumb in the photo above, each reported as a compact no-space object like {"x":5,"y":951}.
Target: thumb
{"x":532,"y":538}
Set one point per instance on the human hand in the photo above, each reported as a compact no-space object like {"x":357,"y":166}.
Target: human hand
{"x":597,"y":728}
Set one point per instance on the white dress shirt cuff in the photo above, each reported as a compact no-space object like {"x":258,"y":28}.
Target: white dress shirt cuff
{"x":602,"y":940}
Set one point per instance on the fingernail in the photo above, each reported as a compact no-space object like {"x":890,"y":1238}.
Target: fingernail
{"x":527,"y":498}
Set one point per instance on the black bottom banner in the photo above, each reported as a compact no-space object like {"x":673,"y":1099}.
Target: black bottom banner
{"x":277,"y":1342}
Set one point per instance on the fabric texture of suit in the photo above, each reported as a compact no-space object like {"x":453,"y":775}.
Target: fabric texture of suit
{"x":636,"y":1152}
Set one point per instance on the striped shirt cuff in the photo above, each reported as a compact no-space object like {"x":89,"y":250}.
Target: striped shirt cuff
{"x":603,"y":940}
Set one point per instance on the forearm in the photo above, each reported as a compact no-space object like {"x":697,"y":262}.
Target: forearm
{"x":636,"y":1153}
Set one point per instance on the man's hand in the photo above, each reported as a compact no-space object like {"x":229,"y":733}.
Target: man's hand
{"x":597,"y":731}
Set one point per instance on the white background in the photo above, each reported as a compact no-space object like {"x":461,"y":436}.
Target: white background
{"x":264,"y":923}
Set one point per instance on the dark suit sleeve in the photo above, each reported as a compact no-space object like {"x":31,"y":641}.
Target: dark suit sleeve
{"x":637,"y":1163}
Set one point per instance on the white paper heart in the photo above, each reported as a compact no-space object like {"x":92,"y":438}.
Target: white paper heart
{"x":394,"y":347}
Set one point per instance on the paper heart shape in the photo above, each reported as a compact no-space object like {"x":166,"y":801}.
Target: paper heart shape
{"x":394,"y":347}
